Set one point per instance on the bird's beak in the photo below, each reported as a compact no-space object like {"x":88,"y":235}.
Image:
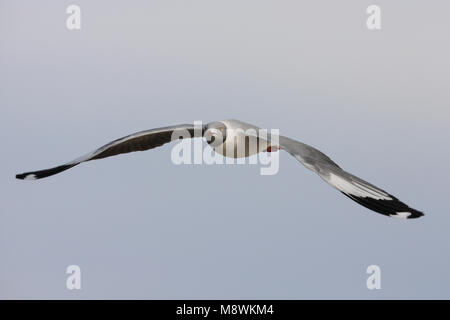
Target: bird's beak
{"x":272,"y":148}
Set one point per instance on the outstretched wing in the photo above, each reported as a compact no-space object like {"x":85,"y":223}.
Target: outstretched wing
{"x":139,"y":141}
{"x":361,"y":191}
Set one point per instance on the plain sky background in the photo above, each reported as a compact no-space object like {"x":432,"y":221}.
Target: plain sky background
{"x":377,"y":102}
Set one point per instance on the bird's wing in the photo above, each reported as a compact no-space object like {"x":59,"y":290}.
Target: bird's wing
{"x":362,"y":192}
{"x":139,"y":141}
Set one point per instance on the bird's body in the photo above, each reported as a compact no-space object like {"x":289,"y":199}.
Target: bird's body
{"x":237,"y":139}
{"x":241,"y":141}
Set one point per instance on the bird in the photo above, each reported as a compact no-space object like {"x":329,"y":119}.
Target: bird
{"x":227,"y":137}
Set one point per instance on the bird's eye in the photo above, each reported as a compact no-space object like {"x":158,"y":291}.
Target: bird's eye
{"x":214,"y":137}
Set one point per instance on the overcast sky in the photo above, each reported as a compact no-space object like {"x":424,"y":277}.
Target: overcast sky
{"x":377,"y":102}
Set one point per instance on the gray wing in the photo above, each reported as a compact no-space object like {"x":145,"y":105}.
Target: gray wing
{"x":139,"y":141}
{"x":361,"y":191}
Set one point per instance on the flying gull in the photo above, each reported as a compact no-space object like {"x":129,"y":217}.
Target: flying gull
{"x":225,"y":138}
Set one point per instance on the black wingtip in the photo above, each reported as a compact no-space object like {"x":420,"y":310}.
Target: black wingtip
{"x":43,"y":173}
{"x":392,"y":208}
{"x":415,"y":214}
{"x":21,"y":176}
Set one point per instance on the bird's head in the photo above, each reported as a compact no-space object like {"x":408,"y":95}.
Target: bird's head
{"x":215,"y":133}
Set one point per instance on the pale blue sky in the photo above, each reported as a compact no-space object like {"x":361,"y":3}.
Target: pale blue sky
{"x":377,"y":102}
